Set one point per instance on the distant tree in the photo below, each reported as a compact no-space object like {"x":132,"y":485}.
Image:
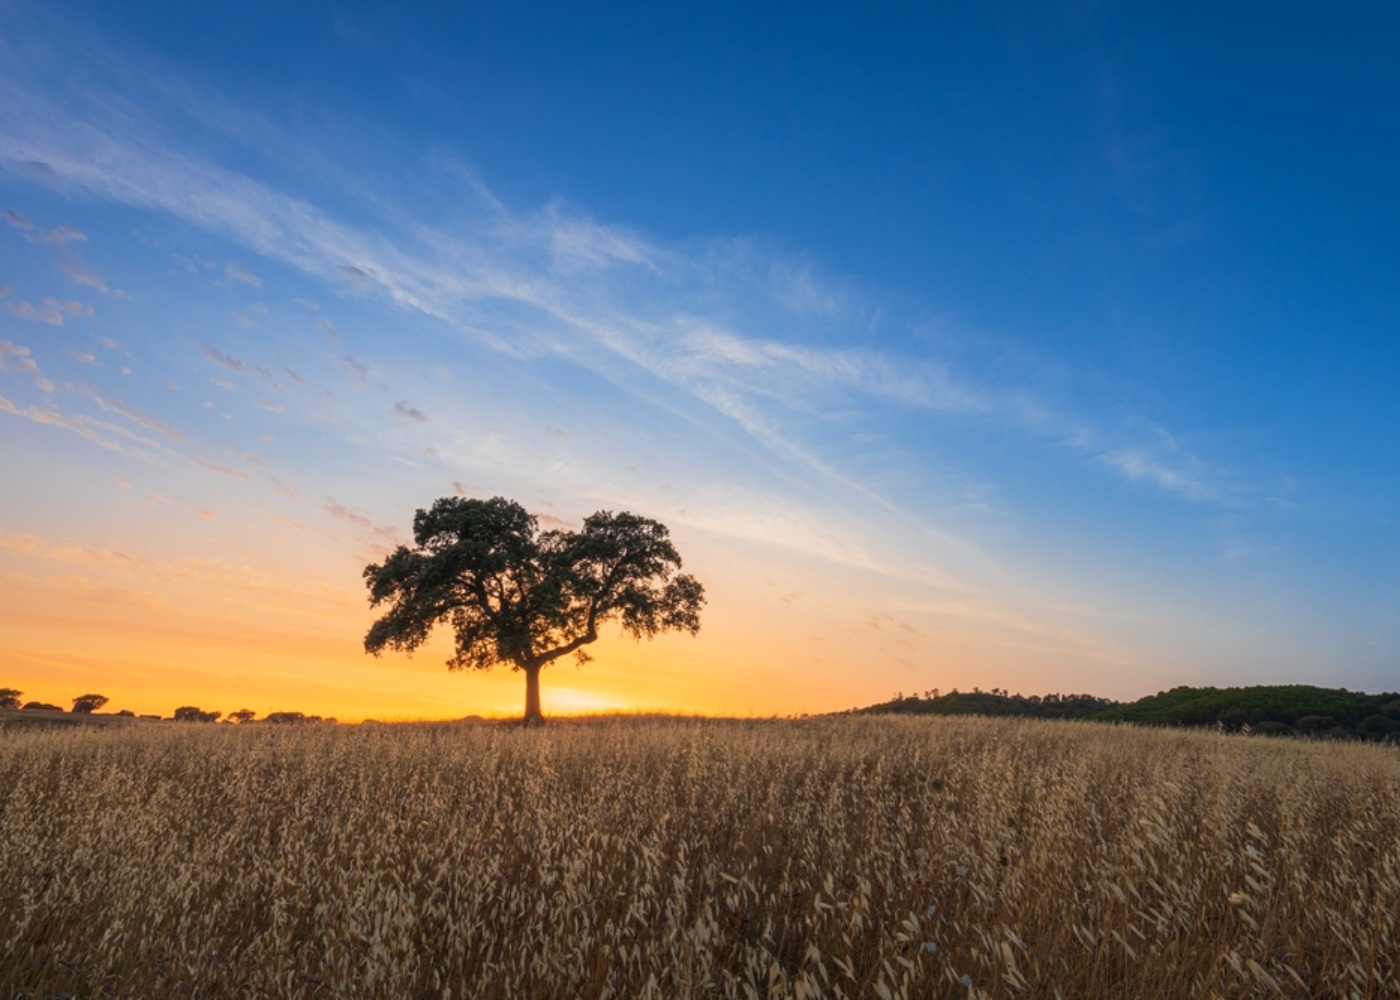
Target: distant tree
{"x":515,"y":595}
{"x":189,"y":713}
{"x":41,"y":706}
{"x":127,"y":713}
{"x":9,"y":697}
{"x":242,"y":715}
{"x":295,"y":718}
{"x":285,"y":718}
{"x":86,"y":704}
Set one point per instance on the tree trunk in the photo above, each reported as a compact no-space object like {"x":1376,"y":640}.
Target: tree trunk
{"x":533,"y":715}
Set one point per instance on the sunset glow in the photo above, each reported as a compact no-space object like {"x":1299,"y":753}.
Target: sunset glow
{"x":953,"y":351}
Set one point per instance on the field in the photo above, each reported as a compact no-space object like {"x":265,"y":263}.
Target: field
{"x":850,"y":857}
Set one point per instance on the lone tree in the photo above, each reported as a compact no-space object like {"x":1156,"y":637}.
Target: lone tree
{"x":9,"y":697}
{"x":86,"y":704}
{"x":519,"y":596}
{"x":241,"y":716}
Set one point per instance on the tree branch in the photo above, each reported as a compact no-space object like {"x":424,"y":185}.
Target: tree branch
{"x":583,"y":640}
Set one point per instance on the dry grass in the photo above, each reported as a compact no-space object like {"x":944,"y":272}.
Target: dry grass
{"x":820,"y":858}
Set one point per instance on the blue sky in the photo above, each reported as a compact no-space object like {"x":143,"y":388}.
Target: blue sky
{"x":1048,"y":347}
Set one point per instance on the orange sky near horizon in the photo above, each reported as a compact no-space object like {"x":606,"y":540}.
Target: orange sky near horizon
{"x":270,"y":614}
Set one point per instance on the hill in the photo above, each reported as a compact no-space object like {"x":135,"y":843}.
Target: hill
{"x":996,"y":703}
{"x":1271,"y":709}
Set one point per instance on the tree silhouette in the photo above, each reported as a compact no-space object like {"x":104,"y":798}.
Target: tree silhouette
{"x":189,"y":713}
{"x":86,"y":704}
{"x":515,"y":595}
{"x":242,"y":715}
{"x":9,"y":697}
{"x":292,"y":718}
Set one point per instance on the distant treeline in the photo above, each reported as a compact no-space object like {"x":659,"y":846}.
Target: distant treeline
{"x":1269,"y":710}
{"x":12,"y":699}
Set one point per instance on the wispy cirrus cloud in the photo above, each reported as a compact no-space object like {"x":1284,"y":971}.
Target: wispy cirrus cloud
{"x":237,"y":580}
{"x":214,"y":467}
{"x":238,"y":272}
{"x":370,"y":530}
{"x":1139,"y":465}
{"x":51,"y":311}
{"x":356,"y":369}
{"x":135,"y":416}
{"x":78,"y":269}
{"x":556,"y":283}
{"x":233,"y":364}
{"x":52,"y":416}
{"x":18,"y":358}
{"x":60,"y":236}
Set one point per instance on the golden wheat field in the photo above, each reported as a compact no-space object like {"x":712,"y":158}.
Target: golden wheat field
{"x":847,"y":857}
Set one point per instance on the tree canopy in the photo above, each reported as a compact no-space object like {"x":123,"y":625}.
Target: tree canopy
{"x":86,"y":704}
{"x":519,"y":596}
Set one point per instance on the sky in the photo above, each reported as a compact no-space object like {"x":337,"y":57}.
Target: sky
{"x":1045,"y":347}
